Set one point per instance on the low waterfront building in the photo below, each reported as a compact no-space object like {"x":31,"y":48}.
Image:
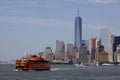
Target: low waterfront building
{"x":101,"y":56}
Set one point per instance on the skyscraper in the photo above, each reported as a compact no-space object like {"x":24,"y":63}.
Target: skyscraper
{"x":78,"y":32}
{"x":60,"y":46}
{"x":93,"y":48}
{"x":83,"y":54}
{"x":60,"y":50}
{"x":69,"y":53}
{"x":86,"y":42}
{"x":48,"y":54}
{"x":115,"y":41}
{"x":105,"y":39}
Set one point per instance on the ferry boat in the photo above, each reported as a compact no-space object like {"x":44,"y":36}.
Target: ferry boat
{"x":32,"y":63}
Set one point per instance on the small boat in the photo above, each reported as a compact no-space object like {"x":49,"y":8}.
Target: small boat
{"x":79,"y":65}
{"x":32,"y":63}
{"x":107,"y":64}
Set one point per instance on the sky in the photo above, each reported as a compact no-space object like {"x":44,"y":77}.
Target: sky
{"x":29,"y":26}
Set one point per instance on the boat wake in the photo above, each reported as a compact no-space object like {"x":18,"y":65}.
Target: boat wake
{"x":17,"y":70}
{"x":57,"y":69}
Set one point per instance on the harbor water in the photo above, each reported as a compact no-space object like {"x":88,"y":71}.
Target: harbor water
{"x":62,"y":72}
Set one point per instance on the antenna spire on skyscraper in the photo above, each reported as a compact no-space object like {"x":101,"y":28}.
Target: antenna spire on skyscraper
{"x":78,"y":11}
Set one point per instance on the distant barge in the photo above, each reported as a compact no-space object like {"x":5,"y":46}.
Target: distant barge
{"x":32,"y":63}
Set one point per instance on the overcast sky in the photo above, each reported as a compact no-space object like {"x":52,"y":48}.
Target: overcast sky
{"x":28,"y":26}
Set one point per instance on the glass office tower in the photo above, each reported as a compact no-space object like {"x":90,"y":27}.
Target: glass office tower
{"x":78,"y":32}
{"x":105,"y":39}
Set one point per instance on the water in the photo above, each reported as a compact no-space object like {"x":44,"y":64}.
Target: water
{"x":62,"y":72}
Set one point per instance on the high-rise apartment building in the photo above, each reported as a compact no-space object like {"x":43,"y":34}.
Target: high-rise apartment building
{"x":60,"y":50}
{"x":117,"y":54}
{"x":116,"y":42}
{"x":69,"y":53}
{"x":78,"y":32}
{"x":83,"y":54}
{"x":86,"y":42}
{"x":60,"y":47}
{"x":48,"y":54}
{"x":93,"y":48}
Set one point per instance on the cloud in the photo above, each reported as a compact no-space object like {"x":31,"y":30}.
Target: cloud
{"x":5,"y":7}
{"x":91,"y":30}
{"x":112,"y":30}
{"x":32,"y":21}
{"x":105,"y":1}
{"x":31,"y":4}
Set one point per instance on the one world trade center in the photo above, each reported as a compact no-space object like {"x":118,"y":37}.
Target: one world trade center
{"x":78,"y":32}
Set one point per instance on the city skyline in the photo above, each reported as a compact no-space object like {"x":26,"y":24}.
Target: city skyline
{"x":28,"y":26}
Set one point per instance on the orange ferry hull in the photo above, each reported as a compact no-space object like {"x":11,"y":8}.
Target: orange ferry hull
{"x":39,"y":66}
{"x":31,"y":65}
